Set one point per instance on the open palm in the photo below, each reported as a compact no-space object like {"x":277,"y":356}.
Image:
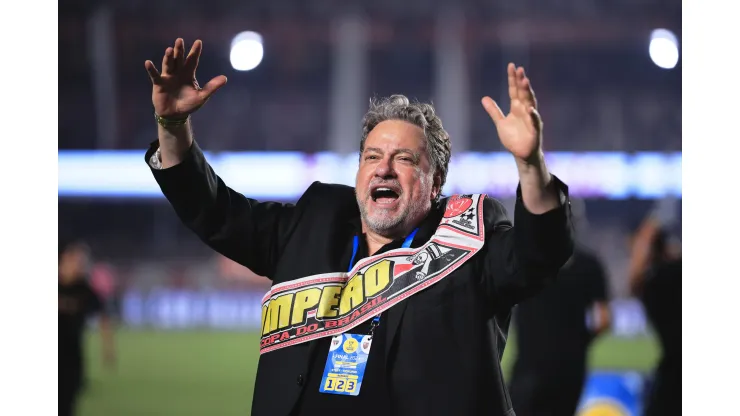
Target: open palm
{"x":520,"y":131}
{"x":175,"y":92}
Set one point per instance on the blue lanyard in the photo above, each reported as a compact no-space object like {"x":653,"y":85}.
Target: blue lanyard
{"x":356,"y":244}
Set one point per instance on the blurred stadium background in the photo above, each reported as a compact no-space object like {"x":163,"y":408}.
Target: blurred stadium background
{"x":608,"y":85}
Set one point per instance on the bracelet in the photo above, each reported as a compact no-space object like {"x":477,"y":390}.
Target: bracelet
{"x":170,"y":122}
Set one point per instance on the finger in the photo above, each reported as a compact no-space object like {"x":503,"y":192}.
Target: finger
{"x":153,"y":73}
{"x":168,"y":62}
{"x":536,"y":119}
{"x":212,"y":86}
{"x":191,"y":62}
{"x":519,"y":76}
{"x":526,"y":93}
{"x":513,"y":91}
{"x":179,"y":53}
{"x":493,"y":110}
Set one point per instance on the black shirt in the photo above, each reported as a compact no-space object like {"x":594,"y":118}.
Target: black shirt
{"x":551,"y":326}
{"x":77,"y":302}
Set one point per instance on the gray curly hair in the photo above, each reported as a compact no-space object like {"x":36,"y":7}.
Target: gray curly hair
{"x":398,"y":107}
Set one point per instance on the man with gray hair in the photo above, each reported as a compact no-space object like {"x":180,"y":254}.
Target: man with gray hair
{"x":386,"y":298}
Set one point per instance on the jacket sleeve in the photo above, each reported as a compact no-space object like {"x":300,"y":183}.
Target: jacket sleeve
{"x":249,"y":232}
{"x":521,"y":259}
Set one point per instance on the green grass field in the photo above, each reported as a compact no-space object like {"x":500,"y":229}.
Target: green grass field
{"x":212,"y":373}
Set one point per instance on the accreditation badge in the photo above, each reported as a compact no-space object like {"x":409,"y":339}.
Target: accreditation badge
{"x":346,"y":363}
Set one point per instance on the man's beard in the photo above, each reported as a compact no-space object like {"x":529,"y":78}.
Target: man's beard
{"x":385,"y":225}
{"x":390,"y":225}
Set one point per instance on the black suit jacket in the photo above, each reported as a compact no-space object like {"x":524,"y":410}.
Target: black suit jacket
{"x":444,"y":344}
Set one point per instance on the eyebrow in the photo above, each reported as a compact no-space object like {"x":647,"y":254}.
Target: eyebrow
{"x":412,"y":153}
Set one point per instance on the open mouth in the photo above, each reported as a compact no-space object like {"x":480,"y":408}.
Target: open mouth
{"x":383,"y":195}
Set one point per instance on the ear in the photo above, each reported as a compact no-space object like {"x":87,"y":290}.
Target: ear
{"x":436,"y":186}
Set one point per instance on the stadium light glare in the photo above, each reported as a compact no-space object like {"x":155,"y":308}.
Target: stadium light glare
{"x":246,"y":51}
{"x":663,"y":48}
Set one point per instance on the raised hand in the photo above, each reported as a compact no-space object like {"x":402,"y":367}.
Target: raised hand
{"x":175,"y":92}
{"x":520,"y":131}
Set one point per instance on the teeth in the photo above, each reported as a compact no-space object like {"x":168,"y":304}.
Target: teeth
{"x":383,"y":189}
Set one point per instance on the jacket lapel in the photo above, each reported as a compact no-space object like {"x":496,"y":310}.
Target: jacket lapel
{"x":395,"y":314}
{"x":394,"y":318}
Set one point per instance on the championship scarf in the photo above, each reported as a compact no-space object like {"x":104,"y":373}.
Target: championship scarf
{"x":328,"y":304}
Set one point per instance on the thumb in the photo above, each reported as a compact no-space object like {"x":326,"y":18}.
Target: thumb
{"x":492,"y":109}
{"x":212,"y":86}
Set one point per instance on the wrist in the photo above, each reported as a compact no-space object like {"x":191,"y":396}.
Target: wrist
{"x":174,"y":143}
{"x":538,"y":190}
{"x":533,"y":170}
{"x":173,"y":129}
{"x":171,"y":122}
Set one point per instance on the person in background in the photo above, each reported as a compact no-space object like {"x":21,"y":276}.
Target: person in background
{"x":555,"y":329}
{"x":77,"y":302}
{"x":655,"y":278}
{"x":103,"y":281}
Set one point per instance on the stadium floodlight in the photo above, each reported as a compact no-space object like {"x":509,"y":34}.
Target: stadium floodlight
{"x":664,"y":48}
{"x":246,"y":51}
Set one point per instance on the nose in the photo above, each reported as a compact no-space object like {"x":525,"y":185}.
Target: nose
{"x":384,"y":169}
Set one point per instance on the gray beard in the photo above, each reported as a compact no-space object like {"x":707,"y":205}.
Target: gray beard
{"x":387,"y":225}
{"x":384,"y":225}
